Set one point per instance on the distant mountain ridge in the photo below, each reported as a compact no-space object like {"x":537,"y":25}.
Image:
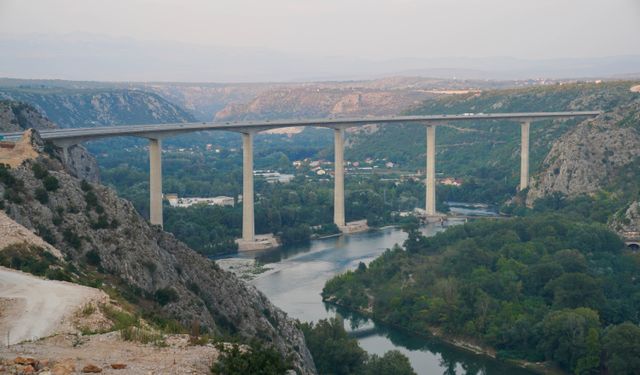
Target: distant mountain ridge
{"x":92,"y":56}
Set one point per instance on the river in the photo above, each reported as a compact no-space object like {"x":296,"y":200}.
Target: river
{"x":300,"y":272}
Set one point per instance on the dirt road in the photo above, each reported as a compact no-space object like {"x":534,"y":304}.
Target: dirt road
{"x":31,"y":307}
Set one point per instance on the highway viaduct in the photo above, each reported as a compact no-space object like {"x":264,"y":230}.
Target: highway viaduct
{"x":155,"y":133}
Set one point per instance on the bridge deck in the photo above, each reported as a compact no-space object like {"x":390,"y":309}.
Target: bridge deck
{"x":160,"y":130}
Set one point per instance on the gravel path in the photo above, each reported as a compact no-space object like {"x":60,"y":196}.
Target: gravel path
{"x":31,"y":307}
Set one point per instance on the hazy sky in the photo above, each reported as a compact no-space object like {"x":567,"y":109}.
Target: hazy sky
{"x":373,"y":29}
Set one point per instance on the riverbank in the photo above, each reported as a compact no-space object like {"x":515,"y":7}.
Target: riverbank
{"x":459,"y":342}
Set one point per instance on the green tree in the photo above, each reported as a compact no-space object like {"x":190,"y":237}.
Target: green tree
{"x":392,"y":362}
{"x":565,"y":336}
{"x":258,"y":360}
{"x":622,"y":349}
{"x":333,"y":351}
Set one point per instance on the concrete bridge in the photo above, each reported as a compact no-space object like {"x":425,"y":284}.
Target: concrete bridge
{"x":156,"y":132}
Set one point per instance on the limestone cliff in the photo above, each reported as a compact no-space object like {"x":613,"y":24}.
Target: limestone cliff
{"x":627,"y":221}
{"x":18,"y":116}
{"x":100,"y":232}
{"x":317,"y":102}
{"x":591,"y":155}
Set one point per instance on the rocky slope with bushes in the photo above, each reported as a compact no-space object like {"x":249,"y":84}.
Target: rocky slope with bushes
{"x":73,"y":108}
{"x":106,"y":243}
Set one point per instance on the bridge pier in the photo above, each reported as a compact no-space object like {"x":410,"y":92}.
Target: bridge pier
{"x":155,"y":181}
{"x":431,"y":171}
{"x":524,"y":155}
{"x":248,"y":224}
{"x":338,"y":190}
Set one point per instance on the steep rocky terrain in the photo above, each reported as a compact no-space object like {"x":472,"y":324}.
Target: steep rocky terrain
{"x":103,"y":236}
{"x":71,"y":108}
{"x":590,"y":156}
{"x":313,"y":102}
{"x":17,"y":116}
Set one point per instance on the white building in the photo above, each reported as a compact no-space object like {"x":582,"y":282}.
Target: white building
{"x":273,"y":177}
{"x":174,"y":201}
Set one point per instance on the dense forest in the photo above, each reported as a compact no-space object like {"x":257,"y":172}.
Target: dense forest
{"x":541,"y":287}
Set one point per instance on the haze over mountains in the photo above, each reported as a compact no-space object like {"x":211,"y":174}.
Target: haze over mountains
{"x":85,"y":56}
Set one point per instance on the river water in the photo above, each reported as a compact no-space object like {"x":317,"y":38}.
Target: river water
{"x":300,"y":273}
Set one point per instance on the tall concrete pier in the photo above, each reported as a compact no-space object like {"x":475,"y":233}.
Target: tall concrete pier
{"x":155,"y":181}
{"x":524,"y":155}
{"x":431,"y":171}
{"x":248,"y":229}
{"x":338,"y":191}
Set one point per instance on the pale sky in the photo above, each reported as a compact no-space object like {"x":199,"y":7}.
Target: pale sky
{"x":378,"y":29}
{"x":244,"y":40}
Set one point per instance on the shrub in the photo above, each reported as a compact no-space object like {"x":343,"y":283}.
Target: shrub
{"x":165,"y":296}
{"x":258,"y":360}
{"x":13,"y":196}
{"x":45,"y":234}
{"x":85,"y":186}
{"x":51,"y":183}
{"x":72,"y":238}
{"x":93,"y":258}
{"x":102,"y":223}
{"x":6,"y":177}
{"x":42,"y":196}
{"x":27,"y":258}
{"x":39,"y":171}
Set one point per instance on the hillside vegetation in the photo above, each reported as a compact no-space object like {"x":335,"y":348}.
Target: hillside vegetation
{"x":487,"y":154}
{"x":536,"y":288}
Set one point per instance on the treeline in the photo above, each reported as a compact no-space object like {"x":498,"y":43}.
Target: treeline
{"x":544,"y":287}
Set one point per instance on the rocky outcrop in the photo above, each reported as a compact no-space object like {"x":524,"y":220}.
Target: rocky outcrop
{"x":316,"y":102}
{"x":627,"y":221}
{"x":82,"y":164}
{"x":591,"y":155}
{"x":18,"y":116}
{"x":89,"y":222}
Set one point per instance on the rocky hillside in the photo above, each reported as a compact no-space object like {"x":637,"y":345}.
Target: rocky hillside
{"x":590,"y":156}
{"x":71,"y":108}
{"x":102,"y":236}
{"x":313,"y":102}
{"x":17,"y":116}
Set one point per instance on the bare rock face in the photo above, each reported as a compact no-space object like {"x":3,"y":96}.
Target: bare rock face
{"x":627,"y":221}
{"x":588,"y":157}
{"x":17,"y":116}
{"x":145,"y":263}
{"x":81,"y":164}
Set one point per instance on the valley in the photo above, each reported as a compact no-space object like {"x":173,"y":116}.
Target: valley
{"x":477,"y":162}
